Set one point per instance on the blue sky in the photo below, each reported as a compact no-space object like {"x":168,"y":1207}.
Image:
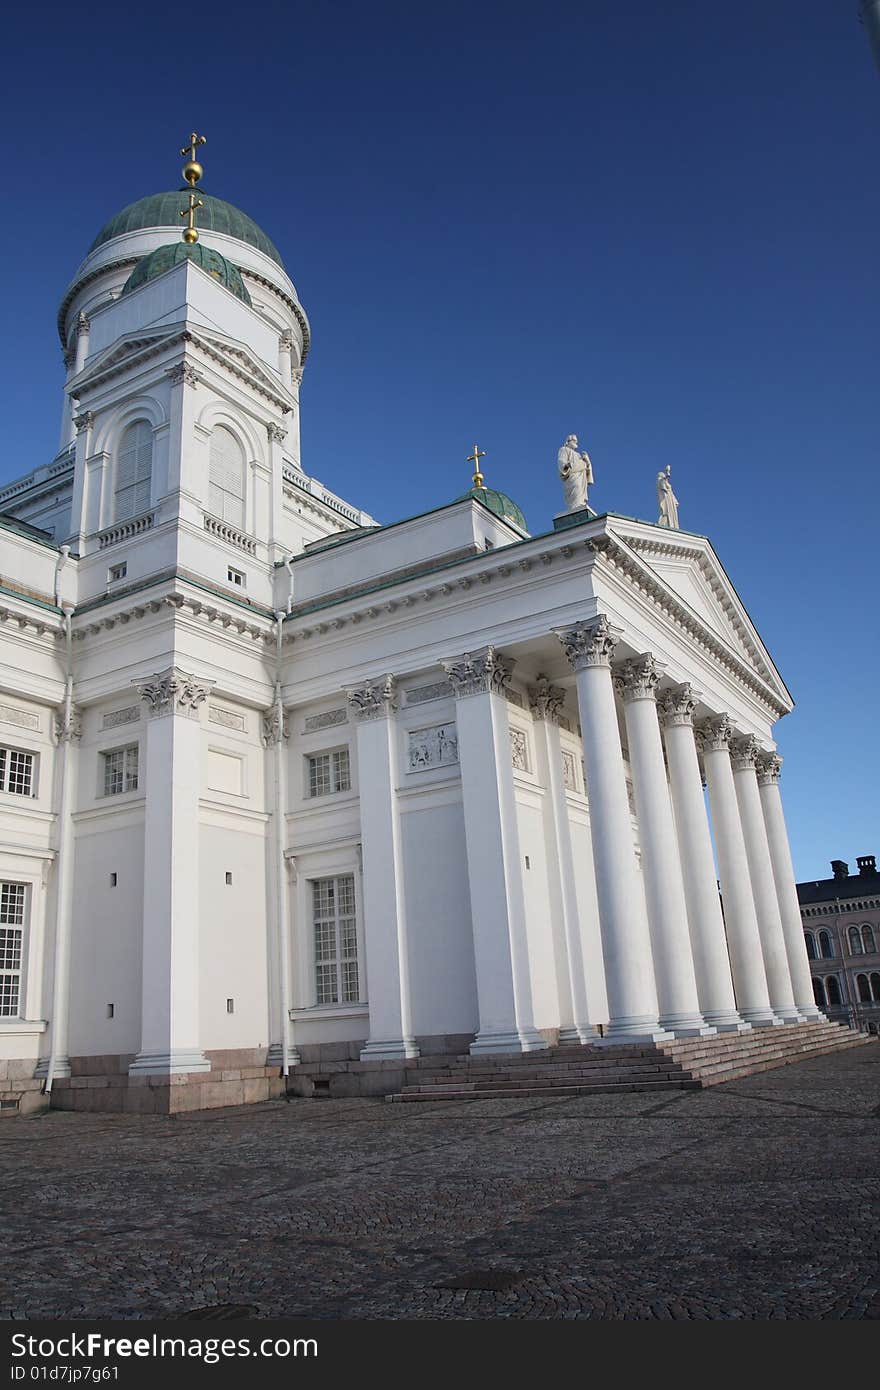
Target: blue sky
{"x":653,"y":224}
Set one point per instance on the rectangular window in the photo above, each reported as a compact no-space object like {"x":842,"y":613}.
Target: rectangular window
{"x":121,"y":770}
{"x":17,"y":771}
{"x":329,"y":772}
{"x":335,"y":926}
{"x":235,"y":577}
{"x":12,"y":905}
{"x":117,"y":572}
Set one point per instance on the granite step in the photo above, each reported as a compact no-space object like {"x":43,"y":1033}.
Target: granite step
{"x":457,"y":1093}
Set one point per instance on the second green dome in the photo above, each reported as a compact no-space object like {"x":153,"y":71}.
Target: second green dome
{"x":165,"y":257}
{"x":499,"y":503}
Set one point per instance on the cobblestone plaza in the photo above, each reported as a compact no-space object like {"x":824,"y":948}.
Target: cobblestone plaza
{"x":754,"y":1200}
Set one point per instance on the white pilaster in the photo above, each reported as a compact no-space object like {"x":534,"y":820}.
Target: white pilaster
{"x":664,"y":889}
{"x":626,"y":943}
{"x":277,"y":436}
{"x":373,"y":707}
{"x":545,"y":703}
{"x":504,"y":992}
{"x":744,"y":753}
{"x":706,"y":924}
{"x":280,"y":1051}
{"x":186,"y":488}
{"x":170,"y":1040}
{"x":84,"y":425}
{"x":741,"y":923}
{"x":769,"y":767}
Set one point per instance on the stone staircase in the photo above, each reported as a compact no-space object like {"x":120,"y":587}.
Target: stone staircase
{"x":686,"y":1064}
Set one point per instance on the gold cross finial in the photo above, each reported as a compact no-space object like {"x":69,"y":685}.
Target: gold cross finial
{"x":474,"y":458}
{"x":192,"y":170}
{"x":190,"y":234}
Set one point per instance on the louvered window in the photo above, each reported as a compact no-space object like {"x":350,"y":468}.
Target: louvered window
{"x":226,"y":478}
{"x":134,"y":468}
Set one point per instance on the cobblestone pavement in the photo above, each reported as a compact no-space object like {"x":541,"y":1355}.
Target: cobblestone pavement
{"x":758,"y":1199}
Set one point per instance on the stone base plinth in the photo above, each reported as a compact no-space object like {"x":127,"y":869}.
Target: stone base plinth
{"x":236,"y":1077}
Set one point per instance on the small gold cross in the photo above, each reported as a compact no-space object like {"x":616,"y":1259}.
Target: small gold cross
{"x":192,"y":170}
{"x":474,"y":458}
{"x":190,"y":233}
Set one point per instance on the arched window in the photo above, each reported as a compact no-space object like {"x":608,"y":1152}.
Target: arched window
{"x":864,"y":989}
{"x":226,"y":477}
{"x":868,"y":939}
{"x":819,"y":993}
{"x":134,"y":469}
{"x":875,"y":987}
{"x":811,"y":945}
{"x":832,"y":989}
{"x":826,"y":946}
{"x":855,"y":941}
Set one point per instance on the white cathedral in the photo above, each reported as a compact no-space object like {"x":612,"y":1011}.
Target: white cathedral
{"x":281,"y":785}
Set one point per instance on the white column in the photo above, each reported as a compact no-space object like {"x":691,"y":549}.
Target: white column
{"x":84,"y":425}
{"x":68,"y":731}
{"x":626,"y":942}
{"x":277,"y":550}
{"x":185,"y":483}
{"x":285,"y":357}
{"x":744,"y":753}
{"x":545,"y":703}
{"x":664,"y":889}
{"x":281,"y":1051}
{"x":769,"y":767}
{"x":170,"y":1039}
{"x":708,"y":941}
{"x":373,"y":707}
{"x":743,"y":935}
{"x":498,"y":915}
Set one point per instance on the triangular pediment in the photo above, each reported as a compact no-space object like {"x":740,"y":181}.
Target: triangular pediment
{"x":120,"y":354}
{"x":243,"y":363}
{"x":687,"y":567}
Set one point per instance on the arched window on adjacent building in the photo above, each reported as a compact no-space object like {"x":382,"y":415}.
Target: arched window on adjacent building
{"x":855,"y":941}
{"x":864,"y":989}
{"x":832,"y":989}
{"x":819,"y":993}
{"x":811,"y":945}
{"x":134,"y":471}
{"x":868,"y":939}
{"x":826,"y":945}
{"x":875,"y":987}
{"x":226,"y":477}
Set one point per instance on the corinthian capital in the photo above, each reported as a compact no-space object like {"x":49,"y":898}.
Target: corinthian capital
{"x":677,"y":705}
{"x":82,"y":323}
{"x":173,"y":692}
{"x":68,"y":724}
{"x":275,"y":729}
{"x":768,"y":768}
{"x":546,"y":700}
{"x":744,"y":752}
{"x":476,"y":672}
{"x":638,"y":678}
{"x":714,"y":734}
{"x":588,"y":644}
{"x":277,"y":433}
{"x":84,"y":421}
{"x":375,"y":700}
{"x":185,"y":373}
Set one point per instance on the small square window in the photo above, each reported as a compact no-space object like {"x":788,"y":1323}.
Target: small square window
{"x":17,"y":769}
{"x":120,"y":770}
{"x":236,"y":577}
{"x":117,"y":572}
{"x":329,"y":772}
{"x":228,"y":877}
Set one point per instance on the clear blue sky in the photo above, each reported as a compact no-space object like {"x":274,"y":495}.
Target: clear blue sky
{"x":655,"y":224}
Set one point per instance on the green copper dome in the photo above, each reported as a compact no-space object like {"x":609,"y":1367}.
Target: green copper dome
{"x":163,"y":210}
{"x":164,"y":257}
{"x":499,"y":503}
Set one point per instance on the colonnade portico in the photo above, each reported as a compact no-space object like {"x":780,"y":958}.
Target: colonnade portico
{"x":678,"y":959}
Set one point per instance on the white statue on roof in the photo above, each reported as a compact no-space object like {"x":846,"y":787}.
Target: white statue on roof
{"x":576,"y":473}
{"x":667,"y":500}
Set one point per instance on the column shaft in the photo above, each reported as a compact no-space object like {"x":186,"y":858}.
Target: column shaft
{"x":626,"y":944}
{"x":664,"y":889}
{"x":504,"y":991}
{"x":708,"y":941}
{"x":769,"y":765}
{"x":741,"y":923}
{"x":170,"y":1038}
{"x":373,"y":707}
{"x":761,"y":875}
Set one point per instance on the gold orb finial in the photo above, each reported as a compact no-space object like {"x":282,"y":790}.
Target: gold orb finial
{"x":192,"y":170}
{"x":190,"y":232}
{"x":474,"y":458}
